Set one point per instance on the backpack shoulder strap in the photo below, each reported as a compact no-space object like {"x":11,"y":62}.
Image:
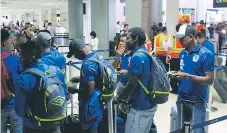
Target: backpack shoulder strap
{"x":35,"y":71}
{"x":94,"y":60}
{"x":146,"y":52}
{"x":5,"y":55}
{"x":149,"y":82}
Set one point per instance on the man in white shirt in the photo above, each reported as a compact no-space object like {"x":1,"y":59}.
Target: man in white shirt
{"x":125,"y":30}
{"x":118,"y":28}
{"x":52,"y":32}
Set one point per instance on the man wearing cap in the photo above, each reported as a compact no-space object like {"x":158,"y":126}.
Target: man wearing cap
{"x":50,"y":57}
{"x":89,"y":89}
{"x":196,"y":74}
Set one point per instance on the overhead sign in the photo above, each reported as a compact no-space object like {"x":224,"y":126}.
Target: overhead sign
{"x":186,"y":11}
{"x":220,"y":3}
{"x":162,"y":13}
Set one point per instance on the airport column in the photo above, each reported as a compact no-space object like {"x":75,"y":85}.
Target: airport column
{"x":40,"y":20}
{"x":75,"y":19}
{"x":49,"y":14}
{"x":103,"y":21}
{"x":138,"y":14}
{"x":156,"y":7}
{"x":201,"y":10}
{"x":172,"y":11}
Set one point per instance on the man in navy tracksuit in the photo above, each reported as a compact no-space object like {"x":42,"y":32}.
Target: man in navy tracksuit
{"x":205,"y":42}
{"x":50,"y":57}
{"x":89,"y":86}
{"x":196,"y":74}
{"x":26,"y":88}
{"x":8,"y":109}
{"x":140,"y":116}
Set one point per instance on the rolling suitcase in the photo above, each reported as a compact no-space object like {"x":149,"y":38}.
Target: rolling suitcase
{"x":176,"y":118}
{"x":72,"y":122}
{"x":119,"y":121}
{"x":221,"y":87}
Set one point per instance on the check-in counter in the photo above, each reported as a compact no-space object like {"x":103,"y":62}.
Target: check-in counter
{"x":61,"y":39}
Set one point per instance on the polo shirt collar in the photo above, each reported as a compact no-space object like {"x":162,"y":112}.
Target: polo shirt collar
{"x":88,"y":56}
{"x":195,"y":50}
{"x":47,"y":53}
{"x":141,"y":47}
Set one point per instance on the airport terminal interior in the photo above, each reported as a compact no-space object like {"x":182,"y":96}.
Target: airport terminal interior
{"x":101,"y":26}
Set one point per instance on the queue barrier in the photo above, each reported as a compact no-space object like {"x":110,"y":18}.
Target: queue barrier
{"x":70,"y":63}
{"x":187,"y":128}
{"x":99,"y":51}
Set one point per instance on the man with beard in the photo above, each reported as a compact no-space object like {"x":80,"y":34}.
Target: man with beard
{"x":140,"y":116}
{"x":9,"y":65}
{"x":27,"y":93}
{"x":90,"y":84}
{"x":196,"y":74}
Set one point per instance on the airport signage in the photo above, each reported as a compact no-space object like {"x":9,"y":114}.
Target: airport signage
{"x":220,"y":3}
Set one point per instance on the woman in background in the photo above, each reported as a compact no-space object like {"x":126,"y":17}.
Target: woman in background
{"x":45,"y":25}
{"x":94,"y":41}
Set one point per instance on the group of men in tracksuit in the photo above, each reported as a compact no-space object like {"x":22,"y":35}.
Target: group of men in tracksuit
{"x":196,"y":73}
{"x":33,"y":54}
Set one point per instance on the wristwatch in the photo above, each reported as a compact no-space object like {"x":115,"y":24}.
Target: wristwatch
{"x":188,"y":76}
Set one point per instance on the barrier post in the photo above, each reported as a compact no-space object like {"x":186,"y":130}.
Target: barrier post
{"x":187,"y":127}
{"x":115,"y":118}
{"x":110,"y":116}
{"x":71,"y":95}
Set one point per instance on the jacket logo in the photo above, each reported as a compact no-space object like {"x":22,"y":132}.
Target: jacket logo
{"x":195,"y":58}
{"x":129,"y":60}
{"x":182,"y":65}
{"x":58,"y":101}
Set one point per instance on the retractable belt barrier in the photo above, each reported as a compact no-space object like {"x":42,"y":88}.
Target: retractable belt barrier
{"x":221,"y":54}
{"x":99,"y":51}
{"x":220,"y":67}
{"x":70,"y":63}
{"x":188,"y":127}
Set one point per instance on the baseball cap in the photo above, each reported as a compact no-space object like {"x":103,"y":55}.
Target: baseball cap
{"x":185,"y":30}
{"x":44,"y":39}
{"x":74,"y":46}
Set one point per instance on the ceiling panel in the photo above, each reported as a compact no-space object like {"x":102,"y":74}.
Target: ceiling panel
{"x":25,"y":5}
